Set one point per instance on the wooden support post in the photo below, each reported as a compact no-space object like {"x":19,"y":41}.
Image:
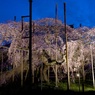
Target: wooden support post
{"x":92,"y":66}
{"x":56,"y":76}
{"x":21,"y":53}
{"x":48,"y":74}
{"x":13,"y":66}
{"x":32,"y":56}
{"x":14,"y":18}
{"x":13,"y":73}
{"x":33,"y":73}
{"x":22,"y":23}
{"x":49,"y":54}
{"x":80,"y":25}
{"x":2,"y":65}
{"x":56,"y":34}
{"x":41,"y":74}
{"x":83,"y":75}
{"x":68,"y":74}
{"x":30,"y":43}
{"x":41,"y":78}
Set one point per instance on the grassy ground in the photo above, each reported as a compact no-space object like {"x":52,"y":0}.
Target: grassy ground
{"x":45,"y":89}
{"x":15,"y":88}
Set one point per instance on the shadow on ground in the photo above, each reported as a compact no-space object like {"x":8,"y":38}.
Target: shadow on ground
{"x":26,"y":90}
{"x":15,"y":88}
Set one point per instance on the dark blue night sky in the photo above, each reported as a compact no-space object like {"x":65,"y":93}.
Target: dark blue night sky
{"x":78,"y":11}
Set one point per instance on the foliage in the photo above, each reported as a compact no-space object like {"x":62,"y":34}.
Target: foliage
{"x":50,"y":36}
